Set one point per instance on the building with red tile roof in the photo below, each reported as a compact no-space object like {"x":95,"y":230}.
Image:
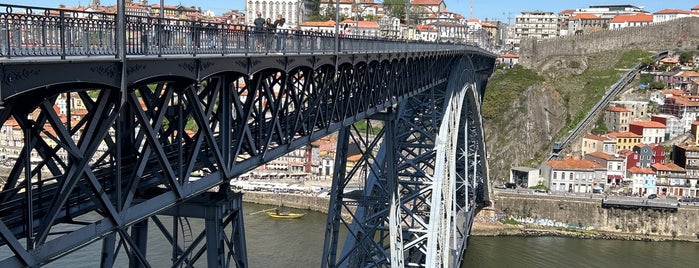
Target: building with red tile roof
{"x":617,"y":119}
{"x":670,"y":14}
{"x":642,"y":181}
{"x":614,"y":163}
{"x":594,"y":143}
{"x":671,"y":179}
{"x":652,"y":132}
{"x":635,"y":20}
{"x":625,"y":140}
{"x":573,"y":174}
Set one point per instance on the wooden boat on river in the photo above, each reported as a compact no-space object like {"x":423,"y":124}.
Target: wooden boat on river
{"x":284,"y":215}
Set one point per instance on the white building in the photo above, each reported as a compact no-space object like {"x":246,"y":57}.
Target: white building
{"x":672,"y":14}
{"x":615,"y":164}
{"x":673,"y":125}
{"x":293,"y":11}
{"x":651,"y":131}
{"x":535,"y":24}
{"x":573,"y":175}
{"x":642,"y":181}
{"x":635,"y":20}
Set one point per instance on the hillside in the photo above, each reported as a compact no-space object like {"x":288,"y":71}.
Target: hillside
{"x":525,"y":111}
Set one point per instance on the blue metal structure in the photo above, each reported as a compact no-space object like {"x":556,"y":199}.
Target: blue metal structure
{"x":114,"y":125}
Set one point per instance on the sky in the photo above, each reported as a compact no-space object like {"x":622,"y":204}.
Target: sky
{"x":482,"y":9}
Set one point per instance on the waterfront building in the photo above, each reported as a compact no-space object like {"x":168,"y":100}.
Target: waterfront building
{"x":686,"y":155}
{"x":625,"y":140}
{"x":535,"y":25}
{"x":614,"y":163}
{"x":642,"y":181}
{"x":526,"y":177}
{"x":651,"y":131}
{"x":573,"y":174}
{"x":617,"y":119}
{"x":672,"y":180}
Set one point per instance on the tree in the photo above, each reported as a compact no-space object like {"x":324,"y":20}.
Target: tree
{"x":395,"y":8}
{"x":685,"y":57}
{"x":647,"y":63}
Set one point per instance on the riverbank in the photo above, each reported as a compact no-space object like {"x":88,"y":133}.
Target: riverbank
{"x":484,"y":224}
{"x":486,"y":228}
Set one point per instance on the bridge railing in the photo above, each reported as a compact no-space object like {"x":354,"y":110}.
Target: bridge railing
{"x":35,"y":31}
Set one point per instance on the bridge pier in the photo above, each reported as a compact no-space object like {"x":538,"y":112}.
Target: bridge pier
{"x":219,"y":211}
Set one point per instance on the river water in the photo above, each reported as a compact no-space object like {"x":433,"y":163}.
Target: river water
{"x":299,"y":243}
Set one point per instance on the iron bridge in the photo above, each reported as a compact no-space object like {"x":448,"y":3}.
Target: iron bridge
{"x":105,"y":117}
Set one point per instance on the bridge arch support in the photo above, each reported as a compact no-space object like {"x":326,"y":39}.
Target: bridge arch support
{"x":422,"y":174}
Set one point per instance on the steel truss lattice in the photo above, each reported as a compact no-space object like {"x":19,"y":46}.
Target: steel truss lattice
{"x":425,"y":158}
{"x":123,"y":157}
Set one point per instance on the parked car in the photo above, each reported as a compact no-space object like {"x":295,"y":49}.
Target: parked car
{"x":652,"y":196}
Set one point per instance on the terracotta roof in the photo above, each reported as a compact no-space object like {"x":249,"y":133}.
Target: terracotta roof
{"x":617,"y":109}
{"x":687,"y":74}
{"x":367,"y":24}
{"x":624,"y":135}
{"x":667,"y":167}
{"x":648,"y":124}
{"x":602,"y":155}
{"x":674,"y":92}
{"x":670,"y":60}
{"x":509,"y":56}
{"x":584,"y":16}
{"x":682,"y":100}
{"x":571,"y":163}
{"x":329,"y":23}
{"x":637,"y":170}
{"x":695,"y":7}
{"x":354,"y":158}
{"x":567,"y":12}
{"x":474,"y":20}
{"x":426,"y":2}
{"x":639,"y":17}
{"x":672,"y":11}
{"x":595,"y":137}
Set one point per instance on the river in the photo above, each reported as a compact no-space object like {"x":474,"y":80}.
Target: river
{"x":299,"y":243}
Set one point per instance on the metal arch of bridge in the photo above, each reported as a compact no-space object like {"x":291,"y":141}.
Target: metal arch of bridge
{"x":130,"y":159}
{"x":426,"y":157}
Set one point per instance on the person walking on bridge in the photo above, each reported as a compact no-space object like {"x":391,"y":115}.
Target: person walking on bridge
{"x":259,"y":23}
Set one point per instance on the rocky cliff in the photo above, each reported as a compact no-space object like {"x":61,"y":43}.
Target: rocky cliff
{"x":525,"y":111}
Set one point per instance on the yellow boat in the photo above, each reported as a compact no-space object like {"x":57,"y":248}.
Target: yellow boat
{"x":285,"y":215}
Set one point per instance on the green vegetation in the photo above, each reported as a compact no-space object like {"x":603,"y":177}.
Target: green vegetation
{"x":592,"y":84}
{"x":510,"y":221}
{"x":504,"y":87}
{"x":600,"y":127}
{"x":540,"y":187}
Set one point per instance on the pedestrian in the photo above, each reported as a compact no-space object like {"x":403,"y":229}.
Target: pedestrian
{"x":270,"y":29}
{"x":282,"y":31}
{"x":259,"y":28}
